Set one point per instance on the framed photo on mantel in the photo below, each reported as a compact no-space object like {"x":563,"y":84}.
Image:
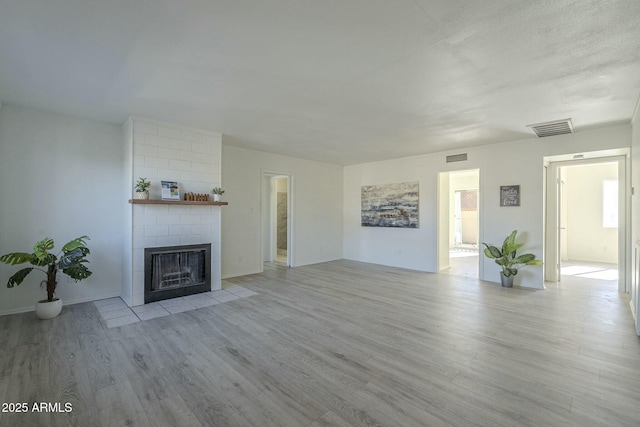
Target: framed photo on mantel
{"x":170,"y":190}
{"x":509,"y":195}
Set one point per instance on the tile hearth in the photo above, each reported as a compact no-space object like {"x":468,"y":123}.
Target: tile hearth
{"x":114,"y":312}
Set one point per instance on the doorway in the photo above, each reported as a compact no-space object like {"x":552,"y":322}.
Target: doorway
{"x":586,"y":219}
{"x":276,"y":219}
{"x":280,"y":219}
{"x":458,"y":223}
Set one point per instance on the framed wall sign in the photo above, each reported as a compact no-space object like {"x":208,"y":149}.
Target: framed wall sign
{"x":170,"y":190}
{"x":509,"y":195}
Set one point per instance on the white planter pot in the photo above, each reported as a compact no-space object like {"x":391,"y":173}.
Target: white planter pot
{"x":142,"y":195}
{"x":48,"y":310}
{"x":216,"y":197}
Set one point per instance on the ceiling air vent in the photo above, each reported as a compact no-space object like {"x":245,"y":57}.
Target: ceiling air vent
{"x":457,"y":158}
{"x":558,"y":127}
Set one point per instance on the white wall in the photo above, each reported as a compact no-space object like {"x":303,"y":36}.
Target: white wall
{"x":267,"y":200}
{"x":126,"y":287}
{"x":281,"y":185}
{"x":512,"y":163}
{"x":60,"y":177}
{"x":586,"y":239}
{"x":444,"y":221}
{"x":317,"y":209}
{"x":635,"y":208}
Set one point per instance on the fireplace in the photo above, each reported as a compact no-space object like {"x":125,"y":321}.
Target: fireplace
{"x":175,"y":271}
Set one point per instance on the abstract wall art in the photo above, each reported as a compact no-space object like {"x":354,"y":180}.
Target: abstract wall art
{"x":390,"y":205}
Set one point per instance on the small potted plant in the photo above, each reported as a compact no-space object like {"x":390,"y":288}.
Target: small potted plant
{"x":142,"y":188}
{"x":71,"y":260}
{"x":507,"y":258}
{"x":217,"y":192}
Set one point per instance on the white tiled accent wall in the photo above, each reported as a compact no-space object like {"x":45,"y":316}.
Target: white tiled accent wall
{"x":192,"y":157}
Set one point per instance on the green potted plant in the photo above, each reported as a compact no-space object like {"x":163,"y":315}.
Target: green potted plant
{"x":71,"y":260}
{"x":217,"y":192}
{"x":142,"y":188}
{"x":508,"y":260}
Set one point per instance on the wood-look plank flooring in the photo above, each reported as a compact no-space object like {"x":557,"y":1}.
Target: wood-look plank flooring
{"x":338,"y":344}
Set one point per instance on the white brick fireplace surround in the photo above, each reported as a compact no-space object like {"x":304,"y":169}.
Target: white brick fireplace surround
{"x":162,"y":151}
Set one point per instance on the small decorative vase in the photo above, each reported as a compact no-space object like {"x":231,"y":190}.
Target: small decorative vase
{"x":507,"y":282}
{"x":142,"y":195}
{"x":48,"y":310}
{"x":216,"y":197}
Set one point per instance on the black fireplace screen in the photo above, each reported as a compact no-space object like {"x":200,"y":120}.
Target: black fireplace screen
{"x":177,"y":271}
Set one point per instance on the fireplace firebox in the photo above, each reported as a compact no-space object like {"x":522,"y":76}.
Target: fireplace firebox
{"x":175,"y":271}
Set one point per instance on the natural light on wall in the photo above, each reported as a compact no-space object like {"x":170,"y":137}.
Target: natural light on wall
{"x":610,"y":203}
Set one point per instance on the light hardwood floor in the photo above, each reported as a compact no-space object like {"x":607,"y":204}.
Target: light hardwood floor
{"x":338,"y":344}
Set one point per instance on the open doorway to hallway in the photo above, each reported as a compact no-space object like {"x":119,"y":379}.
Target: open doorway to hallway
{"x":276,"y":220}
{"x":458,"y":228}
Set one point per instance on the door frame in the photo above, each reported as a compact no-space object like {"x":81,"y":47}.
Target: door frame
{"x":553,"y":223}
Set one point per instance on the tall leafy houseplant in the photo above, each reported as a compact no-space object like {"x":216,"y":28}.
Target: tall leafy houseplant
{"x":508,"y":259}
{"x":70,"y":260}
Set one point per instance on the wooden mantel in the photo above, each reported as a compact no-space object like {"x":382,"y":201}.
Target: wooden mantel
{"x":174,"y":202}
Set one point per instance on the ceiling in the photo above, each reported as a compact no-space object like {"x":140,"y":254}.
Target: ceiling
{"x":338,"y":81}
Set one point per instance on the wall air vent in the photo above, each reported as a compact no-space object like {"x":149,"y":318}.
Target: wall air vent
{"x":558,"y":127}
{"x":457,"y":158}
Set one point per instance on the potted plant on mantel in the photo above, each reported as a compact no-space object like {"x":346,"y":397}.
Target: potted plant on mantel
{"x":507,"y":258}
{"x":71,"y":260}
{"x":217,"y":192}
{"x":142,"y":188}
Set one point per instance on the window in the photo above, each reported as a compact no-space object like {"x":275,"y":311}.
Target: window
{"x":610,"y":203}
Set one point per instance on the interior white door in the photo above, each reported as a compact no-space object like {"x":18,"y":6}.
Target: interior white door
{"x":552,"y":245}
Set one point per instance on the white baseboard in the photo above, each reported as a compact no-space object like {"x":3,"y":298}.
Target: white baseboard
{"x":71,"y":302}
